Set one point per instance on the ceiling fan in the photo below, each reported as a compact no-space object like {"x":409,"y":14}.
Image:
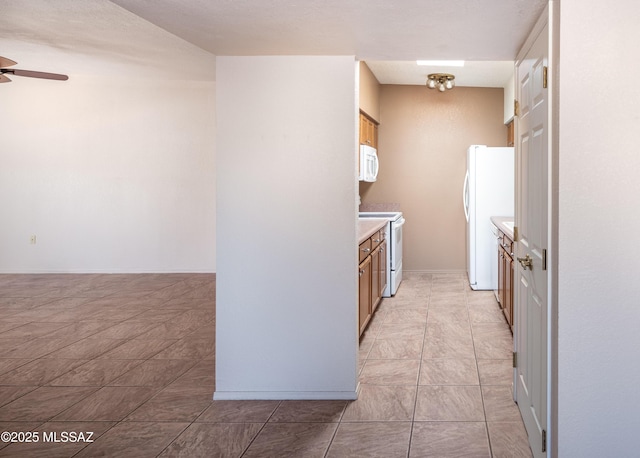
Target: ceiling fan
{"x":4,"y":62}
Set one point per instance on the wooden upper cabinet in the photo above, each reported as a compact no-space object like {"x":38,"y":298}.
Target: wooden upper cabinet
{"x":374,"y":137}
{"x":364,"y":134}
{"x":510,"y":134}
{"x":368,"y":131}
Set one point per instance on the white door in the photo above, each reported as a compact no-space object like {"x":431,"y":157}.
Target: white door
{"x":532,"y":159}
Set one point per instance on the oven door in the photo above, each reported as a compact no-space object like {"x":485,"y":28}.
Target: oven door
{"x":396,"y":254}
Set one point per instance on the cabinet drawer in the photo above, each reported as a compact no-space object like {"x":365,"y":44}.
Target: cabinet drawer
{"x":507,"y":244}
{"x":376,"y":239}
{"x":365,"y":249}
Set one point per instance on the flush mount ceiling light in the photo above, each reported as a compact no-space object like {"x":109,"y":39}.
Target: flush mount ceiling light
{"x":441,"y":81}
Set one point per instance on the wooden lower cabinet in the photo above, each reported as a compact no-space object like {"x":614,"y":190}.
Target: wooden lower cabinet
{"x":375,"y":278}
{"x":364,"y":297}
{"x":505,"y":277}
{"x":372,"y":273}
{"x":500,"y":275}
{"x":378,"y":274}
{"x":509,"y":276}
{"x":382,"y":272}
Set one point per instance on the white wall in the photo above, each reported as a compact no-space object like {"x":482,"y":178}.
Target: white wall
{"x":598,"y":230}
{"x":112,"y":174}
{"x":286,"y":322}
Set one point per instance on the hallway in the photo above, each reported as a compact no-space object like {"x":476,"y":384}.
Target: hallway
{"x":130,"y":358}
{"x":439,"y":354}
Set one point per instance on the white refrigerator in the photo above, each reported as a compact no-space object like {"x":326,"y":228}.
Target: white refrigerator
{"x":488,"y":191}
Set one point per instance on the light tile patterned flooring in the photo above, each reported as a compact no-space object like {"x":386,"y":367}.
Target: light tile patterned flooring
{"x":130,"y":358}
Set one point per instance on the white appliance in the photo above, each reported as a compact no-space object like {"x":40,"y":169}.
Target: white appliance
{"x":488,"y":191}
{"x":393,"y":234}
{"x":368,"y":163}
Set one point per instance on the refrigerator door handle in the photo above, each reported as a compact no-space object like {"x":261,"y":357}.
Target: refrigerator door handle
{"x":465,"y":196}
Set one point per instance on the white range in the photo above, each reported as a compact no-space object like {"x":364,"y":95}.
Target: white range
{"x":393,"y":234}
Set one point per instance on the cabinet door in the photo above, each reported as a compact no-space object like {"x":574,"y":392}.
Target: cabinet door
{"x":368,"y":131}
{"x":364,"y":129}
{"x":364,"y":302}
{"x":501,"y":264}
{"x":374,"y":135}
{"x":510,"y":134}
{"x":383,"y":266}
{"x":376,"y":262}
{"x":506,"y":305}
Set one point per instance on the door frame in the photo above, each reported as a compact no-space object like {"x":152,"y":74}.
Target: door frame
{"x":552,"y":259}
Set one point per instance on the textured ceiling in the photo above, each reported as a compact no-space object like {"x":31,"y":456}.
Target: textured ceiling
{"x":95,"y":37}
{"x":195,"y":30}
{"x":370,"y":29}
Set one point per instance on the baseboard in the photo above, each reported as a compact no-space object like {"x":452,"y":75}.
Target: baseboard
{"x":285,"y":395}
{"x":104,"y":271}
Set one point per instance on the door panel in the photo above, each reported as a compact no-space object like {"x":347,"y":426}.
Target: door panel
{"x":530,"y":332}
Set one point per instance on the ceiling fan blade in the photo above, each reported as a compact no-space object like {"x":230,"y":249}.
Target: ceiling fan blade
{"x":44,"y":75}
{"x":4,"y":79}
{"x":4,"y":62}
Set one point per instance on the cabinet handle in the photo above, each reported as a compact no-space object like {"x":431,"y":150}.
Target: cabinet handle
{"x":366,"y":250}
{"x":361,"y":272}
{"x":376,"y":240}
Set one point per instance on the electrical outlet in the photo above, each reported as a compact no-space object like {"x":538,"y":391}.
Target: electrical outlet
{"x":33,"y":240}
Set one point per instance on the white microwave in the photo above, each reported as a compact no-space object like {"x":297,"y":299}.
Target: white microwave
{"x":368,"y":163}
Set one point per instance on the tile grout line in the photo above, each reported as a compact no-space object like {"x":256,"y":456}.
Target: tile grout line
{"x":475,"y":354}
{"x":246,"y":449}
{"x":424,"y":341}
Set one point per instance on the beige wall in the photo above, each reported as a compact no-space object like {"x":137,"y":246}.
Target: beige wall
{"x":423,"y":139}
{"x":369,"y":92}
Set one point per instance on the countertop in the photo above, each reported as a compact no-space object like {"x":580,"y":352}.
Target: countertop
{"x":499,"y":221}
{"x":368,"y":226}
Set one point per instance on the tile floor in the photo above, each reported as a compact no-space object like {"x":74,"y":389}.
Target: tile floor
{"x":130,"y":358}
